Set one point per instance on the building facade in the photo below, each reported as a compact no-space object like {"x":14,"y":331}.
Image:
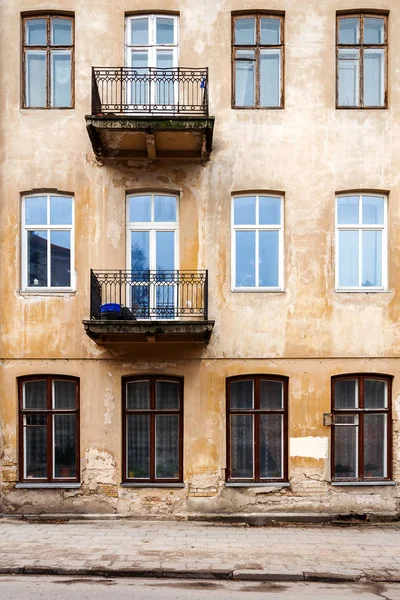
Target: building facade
{"x":198,"y":257}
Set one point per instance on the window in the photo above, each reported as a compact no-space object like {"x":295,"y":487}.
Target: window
{"x":257,"y":242}
{"x":152,"y":253}
{"x":48,"y":61}
{"x":47,"y":242}
{"x":49,"y":428}
{"x":361,"y":49}
{"x":257,"y":61}
{"x":361,"y":432}
{"x":152,"y":42}
{"x":361,"y":242}
{"x":153,"y":429}
{"x":257,"y":428}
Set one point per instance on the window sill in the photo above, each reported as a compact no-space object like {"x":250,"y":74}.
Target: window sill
{"x":269,"y":484}
{"x":46,"y":292}
{"x":361,"y":483}
{"x":259,"y":290}
{"x":48,"y":486}
{"x":362,"y":291}
{"x":152,"y":485}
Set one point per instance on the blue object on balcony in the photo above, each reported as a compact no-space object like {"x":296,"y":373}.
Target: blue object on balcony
{"x":114,"y":308}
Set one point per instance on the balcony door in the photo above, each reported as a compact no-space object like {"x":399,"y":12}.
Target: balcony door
{"x":152,"y":50}
{"x":152,"y":255}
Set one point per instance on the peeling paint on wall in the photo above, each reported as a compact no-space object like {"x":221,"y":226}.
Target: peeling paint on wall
{"x":309,"y":447}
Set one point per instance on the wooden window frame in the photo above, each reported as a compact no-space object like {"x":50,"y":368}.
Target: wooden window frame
{"x":48,"y":16}
{"x":50,"y":412}
{"x":48,"y":227}
{"x":360,"y":411}
{"x":361,"y":47}
{"x":360,"y":227}
{"x":257,"y":47}
{"x":256,"y":411}
{"x":153,"y":412}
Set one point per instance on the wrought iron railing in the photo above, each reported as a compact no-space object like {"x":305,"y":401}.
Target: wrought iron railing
{"x":126,"y":90}
{"x":136,"y":295}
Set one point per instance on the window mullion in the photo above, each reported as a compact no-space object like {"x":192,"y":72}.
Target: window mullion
{"x":49,"y":428}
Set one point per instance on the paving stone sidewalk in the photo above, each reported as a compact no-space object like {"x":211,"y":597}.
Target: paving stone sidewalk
{"x":159,"y":548}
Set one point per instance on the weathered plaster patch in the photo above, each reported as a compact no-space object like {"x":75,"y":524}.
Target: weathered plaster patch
{"x":109,"y":402}
{"x":310,"y":447}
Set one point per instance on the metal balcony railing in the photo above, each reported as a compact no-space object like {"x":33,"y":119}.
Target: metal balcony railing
{"x":141,"y":91}
{"x":156,"y":295}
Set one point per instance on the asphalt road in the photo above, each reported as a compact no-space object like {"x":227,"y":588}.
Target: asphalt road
{"x":62,"y":588}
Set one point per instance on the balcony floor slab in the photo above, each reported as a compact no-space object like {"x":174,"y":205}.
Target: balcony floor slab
{"x":131,"y":332}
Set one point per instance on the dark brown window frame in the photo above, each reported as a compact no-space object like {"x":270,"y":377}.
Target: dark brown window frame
{"x":256,"y":411}
{"x":257,"y":47}
{"x":152,"y":411}
{"x":361,"y":46}
{"x":48,"y":15}
{"x":360,"y":411}
{"x":49,"y":411}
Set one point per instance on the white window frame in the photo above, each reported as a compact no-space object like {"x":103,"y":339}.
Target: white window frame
{"x":257,"y":228}
{"x":152,"y":46}
{"x":40,"y":227}
{"x":360,"y":228}
{"x":153,"y":227}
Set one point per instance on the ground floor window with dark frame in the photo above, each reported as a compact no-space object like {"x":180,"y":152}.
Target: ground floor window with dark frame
{"x":153,"y":429}
{"x":257,"y":429}
{"x":361,"y":428}
{"x":48,"y":429}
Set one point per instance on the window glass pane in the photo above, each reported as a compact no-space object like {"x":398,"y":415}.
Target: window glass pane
{"x":64,"y":446}
{"x":138,"y":446}
{"x":167,"y":447}
{"x":61,"y":32}
{"x":164,"y":209}
{"x":140,"y":249}
{"x":270,"y":78}
{"x":37,"y":258}
{"x":271,"y":434}
{"x":348,"y":77}
{"x":138,"y":395}
{"x":35,"y":451}
{"x":375,"y":446}
{"x":35,"y":79}
{"x":60,"y":210}
{"x":165,"y":81}
{"x":374,"y":32}
{"x":245,"y":210}
{"x":268,"y":259}
{"x":346,"y":394}
{"x":61,"y":78}
{"x":60,"y":251}
{"x":35,"y":31}
{"x":245,"y":259}
{"x":64,"y":394}
{"x":167,"y":395}
{"x":164,"y":30}
{"x":36,"y":210}
{"x":271,"y":394}
{"x":345,"y":453}
{"x":348,"y":210}
{"x":140,"y":209}
{"x":245,"y":83}
{"x":349,"y":30}
{"x":245,"y":31}
{"x":242,"y":394}
{"x":373,"y":210}
{"x":270,"y":31}
{"x":371,"y":258}
{"x":242,"y":446}
{"x":139,"y":31}
{"x":34,"y":394}
{"x":374,"y":76}
{"x":269,"y":210}
{"x":138,"y":93}
{"x":165,"y":251}
{"x":375,"y":394}
{"x":348,"y":259}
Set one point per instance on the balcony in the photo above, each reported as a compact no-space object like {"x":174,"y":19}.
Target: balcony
{"x":148,"y":306}
{"x":150,"y":114}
